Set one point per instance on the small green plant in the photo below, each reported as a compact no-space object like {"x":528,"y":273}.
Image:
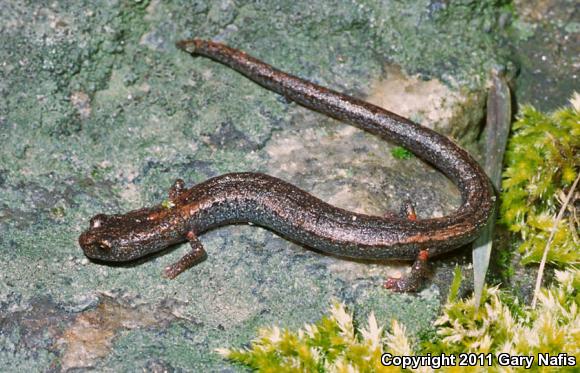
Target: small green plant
{"x":167,"y":204}
{"x":542,"y":160}
{"x":401,"y":153}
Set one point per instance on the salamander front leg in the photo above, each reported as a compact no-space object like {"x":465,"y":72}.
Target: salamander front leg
{"x":193,"y":257}
{"x":420,"y":268}
{"x":176,"y":190}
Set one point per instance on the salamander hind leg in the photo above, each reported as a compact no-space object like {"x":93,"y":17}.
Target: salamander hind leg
{"x":420,"y":268}
{"x":408,"y":210}
{"x":413,"y":280}
{"x":193,"y":257}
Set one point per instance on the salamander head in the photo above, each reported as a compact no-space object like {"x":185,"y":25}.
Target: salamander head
{"x":120,"y":238}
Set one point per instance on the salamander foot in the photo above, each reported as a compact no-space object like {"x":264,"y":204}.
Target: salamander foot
{"x":420,"y":268}
{"x":414,"y":279}
{"x":193,"y":257}
{"x":408,"y":210}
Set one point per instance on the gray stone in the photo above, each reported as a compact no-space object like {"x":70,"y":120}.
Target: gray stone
{"x":100,"y":113}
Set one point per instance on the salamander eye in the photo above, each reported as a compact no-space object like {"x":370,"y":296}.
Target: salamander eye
{"x":98,"y":220}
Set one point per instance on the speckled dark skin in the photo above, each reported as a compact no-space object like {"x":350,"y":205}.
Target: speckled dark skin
{"x":290,"y":211}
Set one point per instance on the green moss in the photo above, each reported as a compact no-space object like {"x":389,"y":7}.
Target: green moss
{"x":58,"y":212}
{"x":501,"y":325}
{"x":455,"y":285}
{"x":401,"y":153}
{"x":503,"y":261}
{"x":332,"y":344}
{"x":504,"y":325}
{"x":167,"y":204}
{"x":542,"y":159}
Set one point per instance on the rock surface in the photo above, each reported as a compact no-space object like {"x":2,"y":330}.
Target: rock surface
{"x":547,"y":51}
{"x":99,"y":112}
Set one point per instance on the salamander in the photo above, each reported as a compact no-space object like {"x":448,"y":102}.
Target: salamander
{"x":292,"y":212}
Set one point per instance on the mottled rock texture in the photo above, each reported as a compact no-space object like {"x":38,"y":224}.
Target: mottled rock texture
{"x":99,"y":112}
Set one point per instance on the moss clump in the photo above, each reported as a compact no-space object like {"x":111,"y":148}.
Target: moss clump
{"x":542,"y":159}
{"x":502,"y":325}
{"x":331,"y":345}
{"x":401,"y":153}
